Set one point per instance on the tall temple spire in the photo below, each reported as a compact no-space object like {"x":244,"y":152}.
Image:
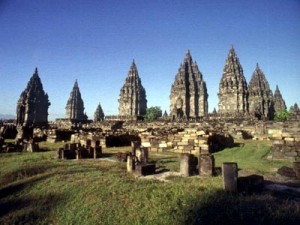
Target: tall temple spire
{"x":188,"y":93}
{"x":99,"y":114}
{"x":233,"y":93}
{"x":132,"y":100}
{"x":75,"y":106}
{"x":279,"y":103}
{"x":33,"y":104}
{"x":260,"y":96}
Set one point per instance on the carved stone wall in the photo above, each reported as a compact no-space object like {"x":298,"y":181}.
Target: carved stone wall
{"x":233,"y":92}
{"x":132,"y":100}
{"x":33,"y":104}
{"x":188,"y":98}
{"x":260,"y":96}
{"x":75,"y":106}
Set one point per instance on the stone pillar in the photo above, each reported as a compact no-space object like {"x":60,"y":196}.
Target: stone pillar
{"x":144,"y":155}
{"x":130,"y":163}
{"x":78,"y":153}
{"x":230,"y":175}
{"x":59,"y":153}
{"x":185,"y":164}
{"x":63,"y":154}
{"x":134,"y":146}
{"x":206,"y":165}
{"x":98,"y":150}
{"x":296,"y":168}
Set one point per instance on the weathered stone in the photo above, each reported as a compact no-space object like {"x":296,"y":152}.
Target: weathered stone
{"x":230,"y":176}
{"x":260,"y":96}
{"x":130,"y":163}
{"x":206,"y":165}
{"x":279,"y":103}
{"x":286,"y":172}
{"x":31,"y":147}
{"x":141,"y":154}
{"x":33,"y":104}
{"x":233,"y":93}
{"x":99,"y":114}
{"x":75,"y":106}
{"x":296,"y":168}
{"x":132,"y":100}
{"x":188,"y":93}
{"x":134,"y":146}
{"x":145,"y":169}
{"x":188,"y":164}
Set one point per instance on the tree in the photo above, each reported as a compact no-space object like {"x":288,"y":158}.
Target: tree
{"x":153,"y":113}
{"x":283,"y":115}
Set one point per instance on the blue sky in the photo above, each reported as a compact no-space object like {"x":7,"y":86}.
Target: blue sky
{"x":96,"y":41}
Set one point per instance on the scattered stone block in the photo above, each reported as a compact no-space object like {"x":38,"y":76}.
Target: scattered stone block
{"x":296,"y":168}
{"x":206,"y":165}
{"x":286,"y":172}
{"x":145,"y":169}
{"x":188,"y":164}
{"x":130,"y":163}
{"x":230,"y":175}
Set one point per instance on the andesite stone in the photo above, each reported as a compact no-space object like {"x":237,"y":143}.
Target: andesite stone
{"x":233,"y":91}
{"x":279,"y":103}
{"x":33,"y":104}
{"x":132,"y":99}
{"x":260,"y":96}
{"x":188,"y":98}
{"x":75,"y":106}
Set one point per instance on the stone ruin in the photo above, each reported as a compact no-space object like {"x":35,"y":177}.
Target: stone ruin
{"x":279,"y":103}
{"x":233,"y":90}
{"x":137,"y":161}
{"x":75,"y":106}
{"x":261,"y":103}
{"x":188,"y":98}
{"x":132,"y":100}
{"x":78,"y":151}
{"x":99,"y":114}
{"x":33,"y":104}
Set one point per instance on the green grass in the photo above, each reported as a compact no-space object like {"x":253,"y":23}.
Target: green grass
{"x":36,"y":188}
{"x":251,"y":156}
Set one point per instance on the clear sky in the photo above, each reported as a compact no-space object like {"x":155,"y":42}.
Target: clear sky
{"x":95,"y":42}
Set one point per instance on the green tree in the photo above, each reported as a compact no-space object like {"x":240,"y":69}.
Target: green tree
{"x":283,"y":115}
{"x":153,"y":113}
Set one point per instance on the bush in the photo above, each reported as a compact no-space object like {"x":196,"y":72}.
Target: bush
{"x":283,"y":115}
{"x":153,"y":113}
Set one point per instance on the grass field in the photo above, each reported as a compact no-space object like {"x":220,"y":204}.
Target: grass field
{"x":36,"y":188}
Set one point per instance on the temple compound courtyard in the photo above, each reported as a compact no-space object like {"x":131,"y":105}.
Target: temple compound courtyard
{"x":239,"y":164}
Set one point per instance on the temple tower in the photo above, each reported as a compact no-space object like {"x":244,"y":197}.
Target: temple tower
{"x":260,"y":96}
{"x":279,"y":103}
{"x":188,"y":98}
{"x":132,"y":100}
{"x":233,"y":93}
{"x":75,"y":106}
{"x":33,"y":104}
{"x":99,"y":114}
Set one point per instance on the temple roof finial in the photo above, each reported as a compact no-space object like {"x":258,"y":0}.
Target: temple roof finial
{"x":76,"y":83}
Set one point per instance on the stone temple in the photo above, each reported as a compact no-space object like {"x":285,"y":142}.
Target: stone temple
{"x":33,"y":104}
{"x":260,"y":96}
{"x":132,"y":99}
{"x":233,"y":92}
{"x":279,"y":103}
{"x":99,"y":114}
{"x":188,"y":93}
{"x":75,"y":107}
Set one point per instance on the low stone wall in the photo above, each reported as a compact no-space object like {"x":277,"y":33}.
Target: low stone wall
{"x":190,"y":140}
